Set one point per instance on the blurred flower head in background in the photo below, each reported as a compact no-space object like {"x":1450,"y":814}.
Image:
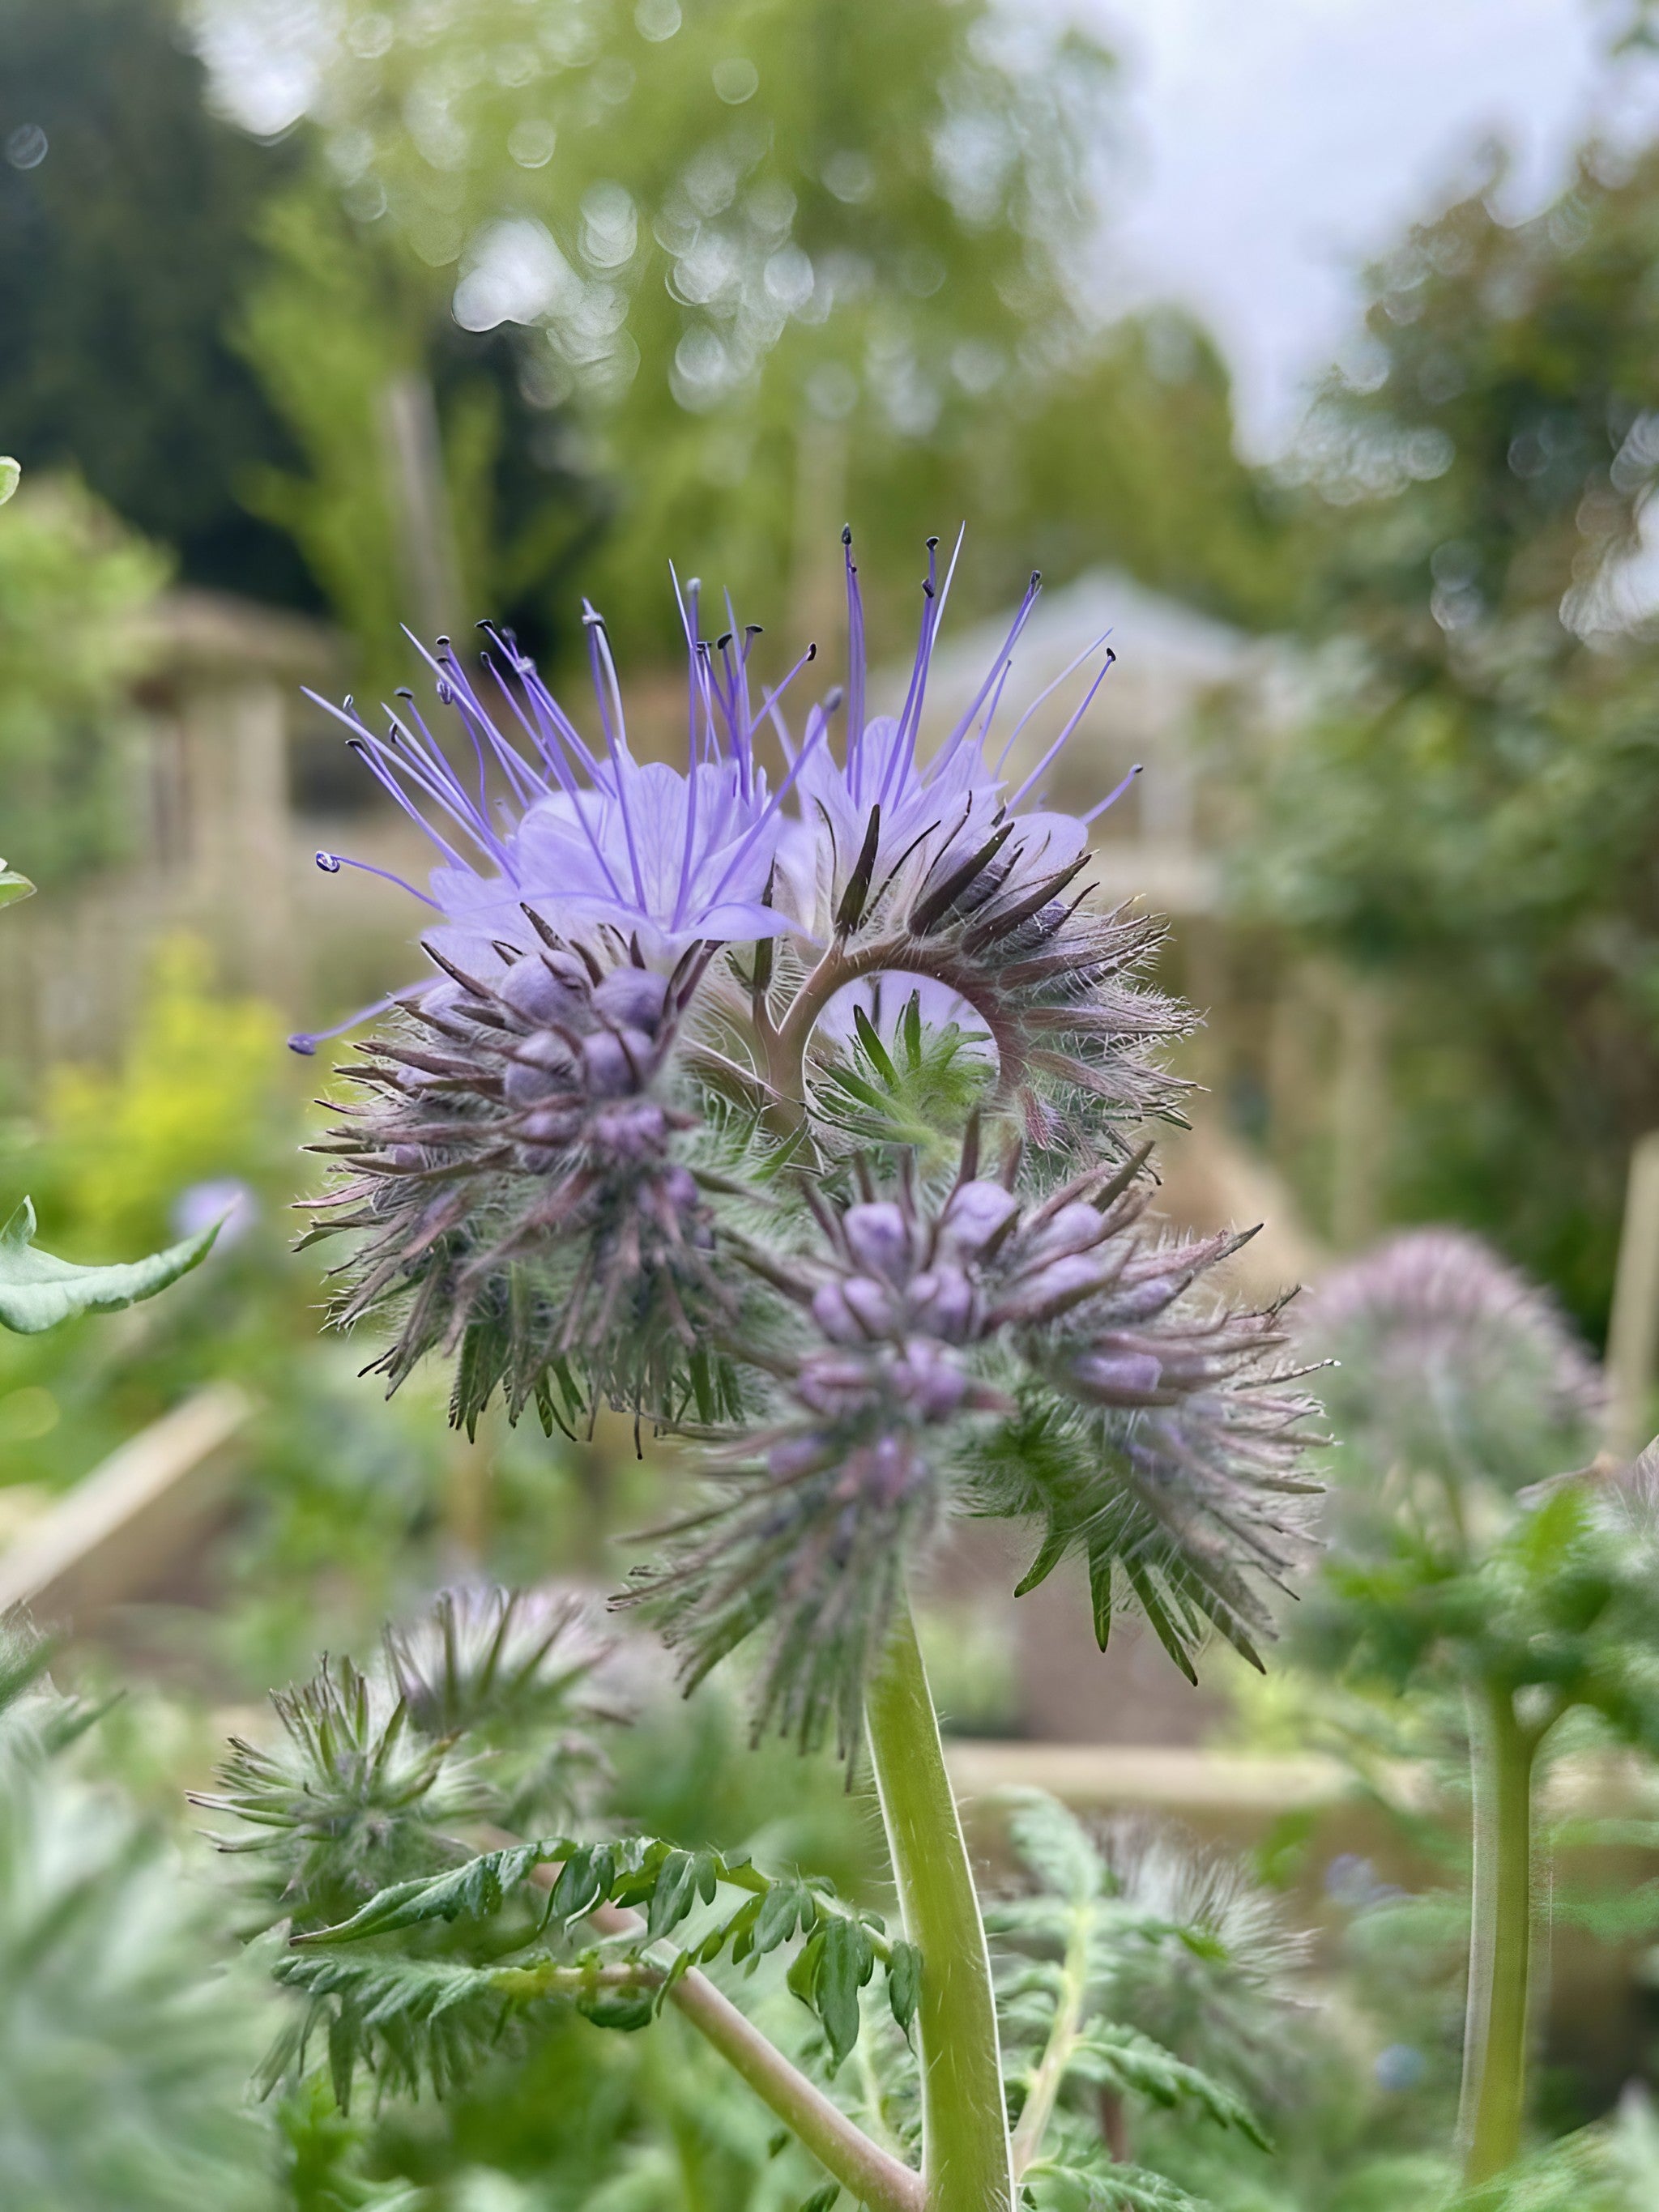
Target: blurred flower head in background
{"x":1451,"y":1361}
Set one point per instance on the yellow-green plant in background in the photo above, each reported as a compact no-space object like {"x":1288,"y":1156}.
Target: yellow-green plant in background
{"x":205,"y":1092}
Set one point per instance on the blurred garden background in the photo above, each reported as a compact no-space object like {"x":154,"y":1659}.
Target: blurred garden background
{"x":1314,"y":356}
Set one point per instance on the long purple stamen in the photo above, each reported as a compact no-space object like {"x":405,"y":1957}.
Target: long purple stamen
{"x":1114,"y":795}
{"x":306,"y":1042}
{"x":331,"y":863}
{"x":854,"y":672}
{"x":1063,"y":738}
{"x":997,"y":677}
{"x":1045,"y":695}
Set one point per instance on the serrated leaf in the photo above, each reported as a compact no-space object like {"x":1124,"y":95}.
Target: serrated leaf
{"x":803,"y":1975}
{"x":1129,"y":2061}
{"x":785,"y":1906}
{"x":903,"y":1982}
{"x":1121,"y":2189}
{"x":37,"y":1292}
{"x":671,"y":1900}
{"x":622,"y":2009}
{"x":477,"y":1889}
{"x":846,"y":1965}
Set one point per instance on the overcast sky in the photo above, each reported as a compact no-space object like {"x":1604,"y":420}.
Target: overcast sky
{"x":1275,"y":143}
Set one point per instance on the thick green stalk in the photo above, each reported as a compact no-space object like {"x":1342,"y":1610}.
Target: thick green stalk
{"x":966,"y":2162}
{"x":1500,"y":1950}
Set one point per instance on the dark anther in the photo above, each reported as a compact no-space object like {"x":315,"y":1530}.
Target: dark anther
{"x":932,"y":545}
{"x":722,"y":642}
{"x":847,"y":533}
{"x":328,"y":864}
{"x":811,"y":653}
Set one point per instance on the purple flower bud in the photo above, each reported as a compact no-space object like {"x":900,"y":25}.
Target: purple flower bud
{"x":1117,"y":1378}
{"x":796,"y":1454}
{"x":1062,"y":1283}
{"x":834,"y":1316}
{"x":680,"y":1188}
{"x":975,"y":1215}
{"x":550,"y":1125}
{"x":1074,"y":1228}
{"x":834,"y":1384}
{"x":930,"y":1380}
{"x":632,"y":1131}
{"x":610,"y":1072}
{"x":533,"y":993}
{"x":535,"y":1076}
{"x":631,"y":998}
{"x":872,"y":1304}
{"x":878,"y":1238}
{"x":942,"y":1302}
{"x":1140,"y":1301}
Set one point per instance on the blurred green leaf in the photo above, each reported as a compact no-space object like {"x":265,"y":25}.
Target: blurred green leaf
{"x":13,"y":886}
{"x":10,"y":476}
{"x":37,"y":1292}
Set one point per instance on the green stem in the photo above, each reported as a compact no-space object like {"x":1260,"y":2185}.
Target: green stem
{"x":870,"y":2174}
{"x":1500,"y":1951}
{"x":966,"y":2162}
{"x":1059,"y":2051}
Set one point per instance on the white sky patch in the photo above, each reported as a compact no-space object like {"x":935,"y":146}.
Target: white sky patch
{"x":1273,"y":147}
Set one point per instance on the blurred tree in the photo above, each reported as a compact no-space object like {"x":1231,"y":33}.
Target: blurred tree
{"x":124,"y":212}
{"x":1471,"y":809}
{"x":72,"y":585}
{"x":756,"y":270}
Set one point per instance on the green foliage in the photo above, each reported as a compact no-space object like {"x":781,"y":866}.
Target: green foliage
{"x":1135,"y":1969}
{"x":123,"y":2047}
{"x":836,"y":287}
{"x":38,"y":1291}
{"x":10,"y":476}
{"x":74,"y":587}
{"x":13,"y":886}
{"x":917,"y":1086}
{"x":1466,"y":815}
{"x":123,"y":252}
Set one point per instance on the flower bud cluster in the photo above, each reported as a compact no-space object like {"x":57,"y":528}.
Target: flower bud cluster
{"x":517,"y":1172}
{"x":918,"y":1326}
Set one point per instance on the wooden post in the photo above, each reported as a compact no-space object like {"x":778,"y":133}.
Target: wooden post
{"x":420,"y":502}
{"x":1633,"y":1327}
{"x":1359,"y":1115}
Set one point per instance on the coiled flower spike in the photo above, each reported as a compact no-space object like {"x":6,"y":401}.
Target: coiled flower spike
{"x":976,"y":1354}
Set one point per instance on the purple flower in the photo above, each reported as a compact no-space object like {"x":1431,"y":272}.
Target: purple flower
{"x":588,"y":840}
{"x":882,"y":807}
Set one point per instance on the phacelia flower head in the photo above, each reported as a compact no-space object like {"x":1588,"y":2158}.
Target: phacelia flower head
{"x":977,"y":1352}
{"x":539,"y":827}
{"x":514,"y":1181}
{"x":1449,"y":1362}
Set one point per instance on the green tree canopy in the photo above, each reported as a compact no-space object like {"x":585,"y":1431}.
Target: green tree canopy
{"x":124,"y":214}
{"x":1471,"y":813}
